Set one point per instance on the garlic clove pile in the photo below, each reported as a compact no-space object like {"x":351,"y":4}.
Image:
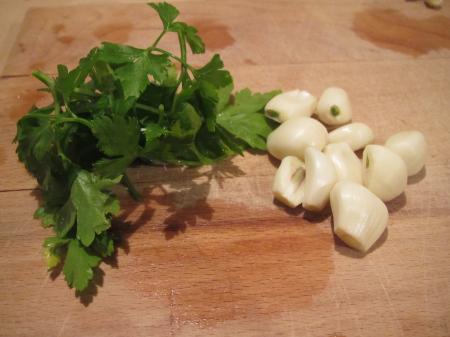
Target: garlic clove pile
{"x":384,"y":172}
{"x":360,"y":217}
{"x":356,"y":189}
{"x":289,"y":104}
{"x":411,"y":147}
{"x":293,"y":136}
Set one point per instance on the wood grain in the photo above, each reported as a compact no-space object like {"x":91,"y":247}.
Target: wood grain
{"x":208,"y":251}
{"x":292,"y":32}
{"x":12,"y":14}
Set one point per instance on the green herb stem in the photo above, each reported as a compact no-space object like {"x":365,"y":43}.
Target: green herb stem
{"x":44,"y":78}
{"x":183,"y":75}
{"x":73,"y":120}
{"x":148,"y":108}
{"x":50,"y":83}
{"x":130,"y":187}
{"x":176,"y":58}
{"x":57,"y":107}
{"x":158,"y":39}
{"x":60,"y":120}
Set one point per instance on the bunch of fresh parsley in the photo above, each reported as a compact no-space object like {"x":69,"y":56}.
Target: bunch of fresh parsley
{"x":119,"y":106}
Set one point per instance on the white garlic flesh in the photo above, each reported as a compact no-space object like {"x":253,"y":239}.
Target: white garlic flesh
{"x":287,"y":186}
{"x":411,"y":146}
{"x":346,"y":163}
{"x":293,"y":136}
{"x":333,"y":107}
{"x":357,"y":135}
{"x":289,"y":104}
{"x":384,"y":172}
{"x":360,"y":217}
{"x":319,"y":180}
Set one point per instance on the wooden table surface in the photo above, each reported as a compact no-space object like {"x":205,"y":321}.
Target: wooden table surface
{"x":208,"y":252}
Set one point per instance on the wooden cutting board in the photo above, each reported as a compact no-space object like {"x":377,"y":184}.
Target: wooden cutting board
{"x":208,"y":252}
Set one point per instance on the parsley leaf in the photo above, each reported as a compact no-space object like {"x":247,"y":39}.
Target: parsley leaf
{"x":214,"y":73}
{"x":215,"y":85}
{"x":245,"y":119}
{"x":103,"y":244}
{"x":124,"y":149}
{"x":48,"y":216}
{"x":153,"y":132}
{"x":65,"y":219}
{"x":93,"y":204}
{"x":67,"y":82}
{"x":136,"y":66}
{"x":133,"y":76}
{"x":159,"y":67}
{"x":166,"y":12}
{"x":187,"y":124}
{"x":113,"y":53}
{"x":36,"y":143}
{"x":107,"y":129}
{"x":53,"y":250}
{"x":78,"y":265}
{"x":191,"y":34}
{"x":111,"y":168}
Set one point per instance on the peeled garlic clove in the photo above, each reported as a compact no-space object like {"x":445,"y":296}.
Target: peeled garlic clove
{"x":294,"y":103}
{"x":411,"y":147}
{"x":436,"y":4}
{"x":334,"y":107}
{"x":357,"y":135}
{"x":319,"y":180}
{"x":384,"y":172}
{"x":287,"y":186}
{"x":346,"y":163}
{"x":360,"y":217}
{"x":293,"y":136}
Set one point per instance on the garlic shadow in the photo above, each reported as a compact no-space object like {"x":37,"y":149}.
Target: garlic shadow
{"x":299,"y":211}
{"x":293,"y":211}
{"x":418,"y":177}
{"x":397,"y":203}
{"x":273,"y":161}
{"x":317,"y":217}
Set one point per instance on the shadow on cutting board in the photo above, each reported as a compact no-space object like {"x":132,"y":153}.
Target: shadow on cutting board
{"x":238,"y":263}
{"x":418,"y":177}
{"x":181,"y":192}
